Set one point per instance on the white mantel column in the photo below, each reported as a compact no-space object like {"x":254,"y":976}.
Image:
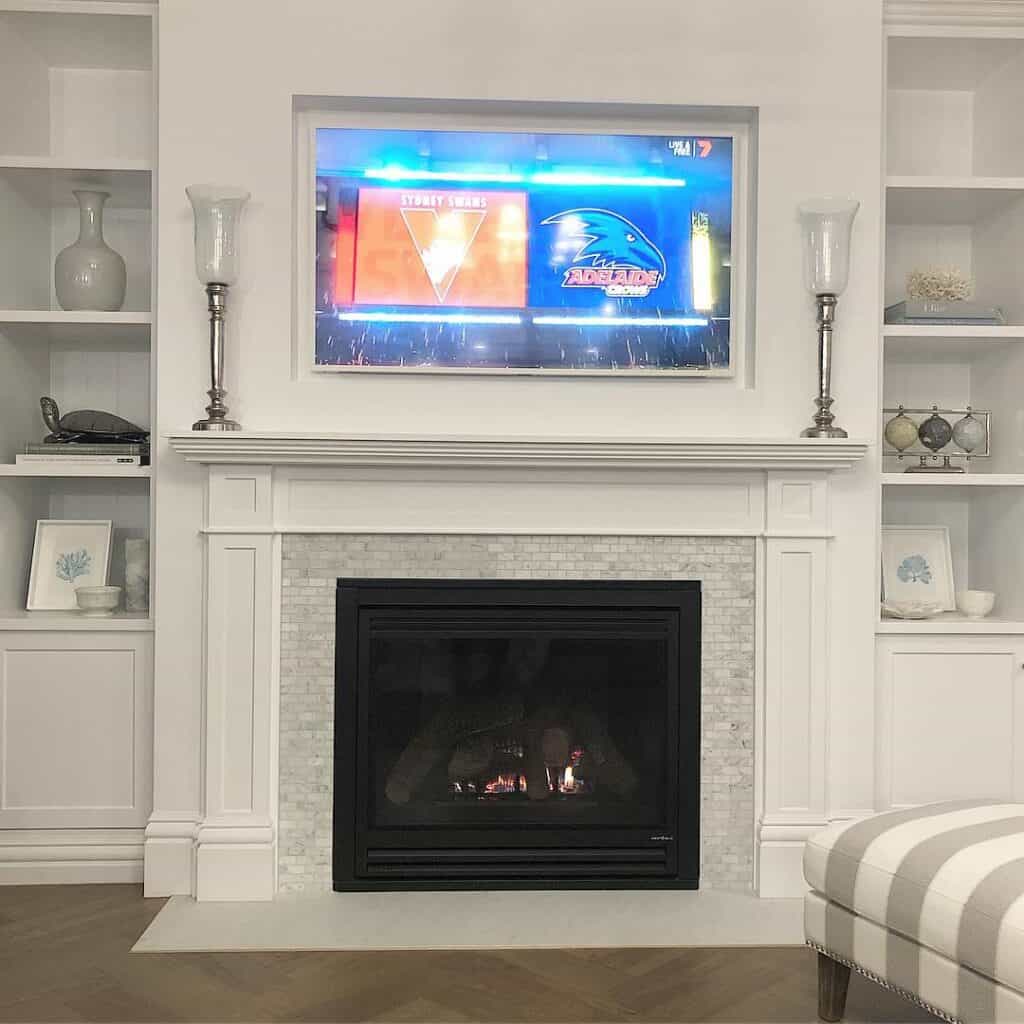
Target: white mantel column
{"x":235,"y":850}
{"x":794,"y":754}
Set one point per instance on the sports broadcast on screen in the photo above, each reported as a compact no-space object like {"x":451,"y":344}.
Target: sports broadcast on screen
{"x":523,"y":251}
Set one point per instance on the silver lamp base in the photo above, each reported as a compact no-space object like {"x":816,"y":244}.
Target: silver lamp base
{"x":824,"y":419}
{"x":217,"y":411}
{"x":221,"y":425}
{"x":824,"y":432}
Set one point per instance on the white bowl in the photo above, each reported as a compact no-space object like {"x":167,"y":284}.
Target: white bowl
{"x":975,"y":604}
{"x":96,"y":602}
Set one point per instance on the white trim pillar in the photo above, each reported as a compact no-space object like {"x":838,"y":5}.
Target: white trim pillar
{"x":235,"y":848}
{"x":795,"y":754}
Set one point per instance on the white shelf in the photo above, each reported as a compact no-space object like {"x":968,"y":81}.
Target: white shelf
{"x":121,"y":622}
{"x":954,"y":182}
{"x":954,"y":332}
{"x":76,"y":327}
{"x":952,"y":479}
{"x":453,"y":450}
{"x":950,"y":623}
{"x":77,"y":470}
{"x":921,"y":199}
{"x":74,"y":317}
{"x":87,"y":165}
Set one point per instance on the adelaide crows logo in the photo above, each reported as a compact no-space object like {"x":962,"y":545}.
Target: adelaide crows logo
{"x":606,"y":251}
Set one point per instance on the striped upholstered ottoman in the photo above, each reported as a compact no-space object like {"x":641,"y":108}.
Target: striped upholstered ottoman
{"x":928,"y":902}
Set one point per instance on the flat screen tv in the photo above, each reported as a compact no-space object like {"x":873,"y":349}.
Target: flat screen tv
{"x":524,"y":251}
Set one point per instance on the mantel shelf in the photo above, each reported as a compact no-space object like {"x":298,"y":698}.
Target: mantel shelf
{"x":566,"y":453}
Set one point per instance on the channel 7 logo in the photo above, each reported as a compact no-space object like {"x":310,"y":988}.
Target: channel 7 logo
{"x":699,"y":148}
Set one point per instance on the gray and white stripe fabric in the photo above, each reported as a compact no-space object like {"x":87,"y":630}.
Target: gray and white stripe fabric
{"x":947,"y":877}
{"x":955,"y":992}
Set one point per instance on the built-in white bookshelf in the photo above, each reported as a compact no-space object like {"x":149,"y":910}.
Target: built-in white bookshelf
{"x":77,"y":110}
{"x":954,"y":196}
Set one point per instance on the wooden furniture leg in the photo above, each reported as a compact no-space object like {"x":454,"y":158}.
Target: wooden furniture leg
{"x":833,"y":983}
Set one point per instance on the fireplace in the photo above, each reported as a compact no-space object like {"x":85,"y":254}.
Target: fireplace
{"x":514,"y":734}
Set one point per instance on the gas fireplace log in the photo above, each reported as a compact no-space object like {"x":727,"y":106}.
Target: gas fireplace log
{"x":534,"y":768}
{"x":613,"y":770}
{"x":472,"y":757}
{"x":555,"y":744}
{"x":453,"y":722}
{"x":543,"y":731}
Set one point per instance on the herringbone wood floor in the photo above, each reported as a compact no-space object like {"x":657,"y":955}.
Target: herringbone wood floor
{"x":64,"y":956}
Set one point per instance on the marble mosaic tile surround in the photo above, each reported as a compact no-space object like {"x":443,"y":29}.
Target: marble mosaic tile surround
{"x":312,"y":565}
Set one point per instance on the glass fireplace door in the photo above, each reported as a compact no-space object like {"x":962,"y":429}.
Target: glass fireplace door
{"x":557,"y":727}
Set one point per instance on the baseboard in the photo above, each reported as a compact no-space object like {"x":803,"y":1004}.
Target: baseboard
{"x":781,"y":873}
{"x":235,"y":861}
{"x":234,"y":871}
{"x":170,"y":858}
{"x":781,"y":857}
{"x":70,"y":856}
{"x":780,"y":852}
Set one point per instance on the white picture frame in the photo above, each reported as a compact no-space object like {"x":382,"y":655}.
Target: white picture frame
{"x":590,"y":119}
{"x":917,"y":565}
{"x":67,"y":554}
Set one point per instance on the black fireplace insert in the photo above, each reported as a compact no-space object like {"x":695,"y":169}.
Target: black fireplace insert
{"x":516,"y":734}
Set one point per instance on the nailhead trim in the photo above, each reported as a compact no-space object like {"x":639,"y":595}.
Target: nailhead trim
{"x":871,"y":976}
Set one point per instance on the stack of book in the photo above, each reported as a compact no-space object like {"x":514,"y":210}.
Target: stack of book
{"x":935,"y":311}
{"x":84,"y":454}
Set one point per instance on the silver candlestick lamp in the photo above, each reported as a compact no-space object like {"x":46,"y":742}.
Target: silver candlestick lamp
{"x":826,"y":223}
{"x":217,"y":211}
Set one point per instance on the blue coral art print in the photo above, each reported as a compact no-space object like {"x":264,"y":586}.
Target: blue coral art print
{"x":915,"y":569}
{"x":72,"y":564}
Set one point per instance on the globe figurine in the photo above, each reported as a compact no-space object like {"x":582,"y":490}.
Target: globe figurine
{"x":969,"y":433}
{"x":935,"y":433}
{"x":901,"y":431}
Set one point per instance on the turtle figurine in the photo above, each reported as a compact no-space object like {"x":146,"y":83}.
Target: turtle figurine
{"x":88,"y":426}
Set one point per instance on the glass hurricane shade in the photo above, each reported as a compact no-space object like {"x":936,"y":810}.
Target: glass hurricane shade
{"x":826,"y":224}
{"x":217,"y":210}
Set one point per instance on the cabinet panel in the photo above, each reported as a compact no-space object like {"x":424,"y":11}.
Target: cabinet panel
{"x":74,"y":730}
{"x":950,"y":720}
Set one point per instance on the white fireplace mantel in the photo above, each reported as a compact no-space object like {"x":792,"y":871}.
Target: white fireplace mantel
{"x":263,"y":485}
{"x":562,"y":453}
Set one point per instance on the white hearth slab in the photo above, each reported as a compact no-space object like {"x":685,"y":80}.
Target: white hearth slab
{"x":476,"y":920}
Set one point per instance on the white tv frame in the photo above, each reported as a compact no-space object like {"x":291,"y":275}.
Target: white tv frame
{"x":593,"y":122}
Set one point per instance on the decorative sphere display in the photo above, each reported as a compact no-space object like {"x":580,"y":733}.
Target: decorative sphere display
{"x":935,"y":432}
{"x":901,"y":431}
{"x":969,"y":433}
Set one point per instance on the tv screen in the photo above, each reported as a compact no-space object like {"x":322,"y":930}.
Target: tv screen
{"x":487,"y":250}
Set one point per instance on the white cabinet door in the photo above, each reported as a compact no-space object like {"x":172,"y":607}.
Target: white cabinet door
{"x":75,"y":729}
{"x":950,"y":719}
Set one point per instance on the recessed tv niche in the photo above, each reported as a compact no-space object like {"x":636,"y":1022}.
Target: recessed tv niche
{"x":511,"y":251}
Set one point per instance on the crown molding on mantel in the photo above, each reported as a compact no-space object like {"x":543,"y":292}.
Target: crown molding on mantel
{"x":956,"y":13}
{"x":245,"y":448}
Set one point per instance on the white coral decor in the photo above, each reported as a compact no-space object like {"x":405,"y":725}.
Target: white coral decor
{"x":949,"y":284}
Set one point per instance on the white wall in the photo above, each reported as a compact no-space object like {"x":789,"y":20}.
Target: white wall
{"x":228,"y":72}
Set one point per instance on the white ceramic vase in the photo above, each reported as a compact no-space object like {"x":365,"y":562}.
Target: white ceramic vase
{"x":88,"y":274}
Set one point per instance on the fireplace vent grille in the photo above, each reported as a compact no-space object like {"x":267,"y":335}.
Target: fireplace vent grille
{"x":598,"y":862}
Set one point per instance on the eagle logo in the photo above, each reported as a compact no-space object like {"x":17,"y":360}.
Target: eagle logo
{"x":605,"y":250}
